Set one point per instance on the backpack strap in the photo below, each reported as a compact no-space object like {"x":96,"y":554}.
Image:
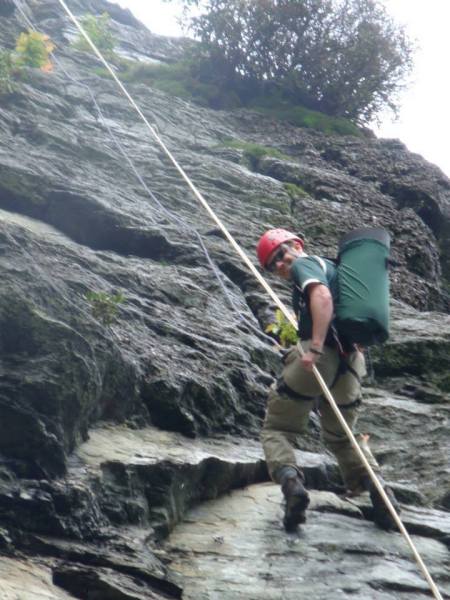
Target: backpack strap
{"x":322,"y":263}
{"x":342,"y":352}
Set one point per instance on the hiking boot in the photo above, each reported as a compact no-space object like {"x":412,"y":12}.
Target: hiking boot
{"x":381,"y":515}
{"x":296,"y":500}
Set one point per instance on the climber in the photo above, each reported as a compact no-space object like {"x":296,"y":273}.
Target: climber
{"x":7,"y":8}
{"x":293,"y":396}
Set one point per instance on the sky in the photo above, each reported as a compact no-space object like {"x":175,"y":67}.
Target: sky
{"x":424,"y":119}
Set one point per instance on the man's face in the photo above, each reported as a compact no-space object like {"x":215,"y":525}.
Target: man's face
{"x":281,"y":259}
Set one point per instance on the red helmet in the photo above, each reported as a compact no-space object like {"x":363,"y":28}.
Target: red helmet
{"x":270,"y":241}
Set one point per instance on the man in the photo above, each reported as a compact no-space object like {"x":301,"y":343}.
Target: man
{"x":293,"y":396}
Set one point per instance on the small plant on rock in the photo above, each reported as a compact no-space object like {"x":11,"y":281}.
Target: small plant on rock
{"x":295,"y":191}
{"x":6,"y":73}
{"x":99,"y":30}
{"x":252,"y":153}
{"x":104,"y":307}
{"x":282,"y":330}
{"x":33,"y":49}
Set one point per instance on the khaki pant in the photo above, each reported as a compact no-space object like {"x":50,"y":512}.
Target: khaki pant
{"x":291,"y":400}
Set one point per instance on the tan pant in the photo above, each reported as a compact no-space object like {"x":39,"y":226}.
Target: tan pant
{"x":287,"y":414}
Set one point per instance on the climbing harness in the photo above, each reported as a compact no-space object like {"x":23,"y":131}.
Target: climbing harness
{"x":273,"y":296}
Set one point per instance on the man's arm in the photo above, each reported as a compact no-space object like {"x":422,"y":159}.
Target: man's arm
{"x":321,"y":308}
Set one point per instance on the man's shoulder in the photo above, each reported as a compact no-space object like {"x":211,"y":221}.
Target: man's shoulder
{"x":313,"y":263}
{"x":310,"y":269}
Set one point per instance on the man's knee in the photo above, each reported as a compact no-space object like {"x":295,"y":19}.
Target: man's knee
{"x":331,"y":426}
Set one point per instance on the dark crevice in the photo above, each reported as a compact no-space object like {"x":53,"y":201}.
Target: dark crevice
{"x":422,"y":204}
{"x":91,"y":224}
{"x":77,"y":580}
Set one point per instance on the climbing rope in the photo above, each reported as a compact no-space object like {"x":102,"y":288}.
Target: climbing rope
{"x":274,"y":297}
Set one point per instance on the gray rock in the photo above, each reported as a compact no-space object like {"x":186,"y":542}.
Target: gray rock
{"x":235,"y":547}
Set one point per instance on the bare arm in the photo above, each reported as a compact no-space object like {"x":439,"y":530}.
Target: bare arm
{"x":321,"y":307}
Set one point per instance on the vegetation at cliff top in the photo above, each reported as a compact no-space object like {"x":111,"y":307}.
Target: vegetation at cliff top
{"x":344,"y":58}
{"x":195,"y":78}
{"x":190,"y":80}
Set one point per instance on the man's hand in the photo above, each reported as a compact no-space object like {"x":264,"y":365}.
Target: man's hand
{"x":309,"y":360}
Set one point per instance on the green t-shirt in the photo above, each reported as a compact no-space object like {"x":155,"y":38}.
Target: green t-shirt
{"x":306,"y":270}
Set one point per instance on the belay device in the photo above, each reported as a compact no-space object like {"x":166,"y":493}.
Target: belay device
{"x":362,"y":305}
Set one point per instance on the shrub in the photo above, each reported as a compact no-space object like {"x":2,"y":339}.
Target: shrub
{"x":295,"y":191}
{"x":99,"y":30}
{"x":33,"y":49}
{"x":301,"y":116}
{"x":254,"y":152}
{"x":104,"y":307}
{"x":283,"y":330}
{"x":342,"y":57}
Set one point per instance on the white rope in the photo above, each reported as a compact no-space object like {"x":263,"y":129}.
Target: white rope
{"x":274,"y":297}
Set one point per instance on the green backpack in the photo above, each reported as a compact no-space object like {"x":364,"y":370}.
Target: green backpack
{"x":362,"y":303}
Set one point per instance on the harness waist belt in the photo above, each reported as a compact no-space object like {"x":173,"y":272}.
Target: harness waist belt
{"x":283,"y":388}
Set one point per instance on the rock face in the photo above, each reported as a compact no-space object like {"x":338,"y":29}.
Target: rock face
{"x":110,"y":431}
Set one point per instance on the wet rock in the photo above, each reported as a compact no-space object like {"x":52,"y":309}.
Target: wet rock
{"x":29,"y":580}
{"x":7,"y":8}
{"x":238,"y":546}
{"x":418,"y":349}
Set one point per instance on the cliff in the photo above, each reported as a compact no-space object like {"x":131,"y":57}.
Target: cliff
{"x":114,"y":430}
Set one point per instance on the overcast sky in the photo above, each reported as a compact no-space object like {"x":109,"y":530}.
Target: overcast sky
{"x":424,"y":122}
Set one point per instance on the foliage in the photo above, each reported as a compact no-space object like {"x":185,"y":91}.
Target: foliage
{"x":33,"y":49}
{"x":304,"y":117}
{"x":185,"y":79}
{"x":194,"y":79}
{"x":283,"y":330}
{"x":254,"y":152}
{"x":6,"y":72}
{"x":104,"y":306}
{"x":295,"y":191}
{"x":99,"y":30}
{"x":345,"y":58}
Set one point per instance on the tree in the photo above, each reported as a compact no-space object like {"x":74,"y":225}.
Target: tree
{"x":343,"y":57}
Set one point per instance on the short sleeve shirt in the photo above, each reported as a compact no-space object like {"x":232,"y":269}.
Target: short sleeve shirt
{"x":306,"y":270}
